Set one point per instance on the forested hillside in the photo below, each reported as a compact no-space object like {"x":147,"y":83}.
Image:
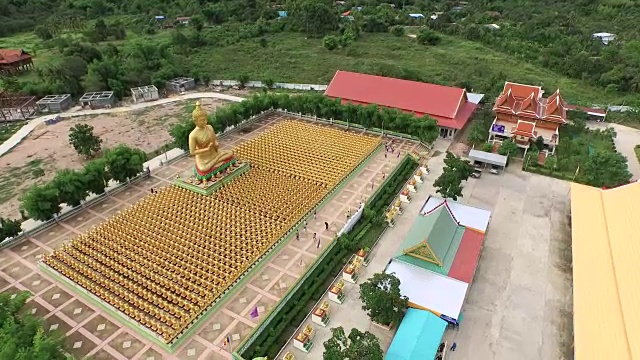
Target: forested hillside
{"x":100,"y":44}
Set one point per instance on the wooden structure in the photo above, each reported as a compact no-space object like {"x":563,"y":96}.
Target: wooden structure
{"x":55,"y":103}
{"x":145,"y":93}
{"x":181,"y":84}
{"x":99,"y":99}
{"x":523,"y":115}
{"x":16,"y":107}
{"x":14,"y":61}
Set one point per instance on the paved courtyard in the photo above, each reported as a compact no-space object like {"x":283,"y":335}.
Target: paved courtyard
{"x":519,"y":305}
{"x":91,"y":332}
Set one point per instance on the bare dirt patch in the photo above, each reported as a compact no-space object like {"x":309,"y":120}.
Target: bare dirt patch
{"x":47,"y":147}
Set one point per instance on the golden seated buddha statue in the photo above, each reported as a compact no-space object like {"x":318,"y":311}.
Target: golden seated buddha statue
{"x":203,"y":145}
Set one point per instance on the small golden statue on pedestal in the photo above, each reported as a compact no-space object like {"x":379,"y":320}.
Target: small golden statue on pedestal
{"x":203,"y":145}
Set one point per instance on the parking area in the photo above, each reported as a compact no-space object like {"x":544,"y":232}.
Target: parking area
{"x":519,"y":305}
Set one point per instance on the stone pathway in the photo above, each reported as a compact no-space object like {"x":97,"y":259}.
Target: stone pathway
{"x":92,"y":332}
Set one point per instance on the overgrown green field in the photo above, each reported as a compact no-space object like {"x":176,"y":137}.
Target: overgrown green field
{"x":290,"y":57}
{"x":8,"y":129}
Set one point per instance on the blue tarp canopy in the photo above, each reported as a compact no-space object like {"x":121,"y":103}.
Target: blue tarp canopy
{"x":418,"y":336}
{"x":282,"y":13}
{"x":416,"y":16}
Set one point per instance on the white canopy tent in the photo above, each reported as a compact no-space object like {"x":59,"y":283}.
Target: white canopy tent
{"x":437,"y":293}
{"x":488,"y":158}
{"x":468,"y":216}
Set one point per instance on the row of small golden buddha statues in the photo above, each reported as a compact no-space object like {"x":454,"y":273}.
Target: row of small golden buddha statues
{"x":165,"y":259}
{"x":328,"y":153}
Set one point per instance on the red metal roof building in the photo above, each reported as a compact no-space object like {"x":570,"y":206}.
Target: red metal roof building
{"x":13,"y":61}
{"x":448,"y":105}
{"x":523,"y":115}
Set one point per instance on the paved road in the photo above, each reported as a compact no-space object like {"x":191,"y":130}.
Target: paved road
{"x":625,"y":141}
{"x":33,"y":123}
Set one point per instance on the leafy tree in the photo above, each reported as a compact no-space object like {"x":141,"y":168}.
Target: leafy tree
{"x":11,"y":84}
{"x":508,"y":148}
{"x":488,"y":147}
{"x":43,"y":32}
{"x":330,"y":42}
{"x":456,"y":170}
{"x":397,"y":30}
{"x":476,"y":134}
{"x":83,"y":140}
{"x":21,"y":334}
{"x":605,"y":169}
{"x":124,"y":163}
{"x":428,"y":37}
{"x":358,"y":345}
{"x":95,"y":176}
{"x":315,"y":17}
{"x":263,"y":42}
{"x":242,"y":79}
{"x":268,"y":83}
{"x":382,"y":299}
{"x":539,"y":143}
{"x":41,"y":202}
{"x":9,"y":228}
{"x":71,"y":186}
{"x":197,"y":22}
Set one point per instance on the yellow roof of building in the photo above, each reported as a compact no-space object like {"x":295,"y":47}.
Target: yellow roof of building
{"x":606,"y":271}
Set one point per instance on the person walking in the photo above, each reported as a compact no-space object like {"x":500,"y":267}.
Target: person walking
{"x":326,"y":225}
{"x":305,"y":227}
{"x":318,"y":246}
{"x":298,"y":235}
{"x":454,"y":346}
{"x":314,"y":236}
{"x":314,"y":214}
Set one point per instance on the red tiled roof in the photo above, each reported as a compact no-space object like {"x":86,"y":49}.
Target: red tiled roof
{"x":466,"y":261}
{"x":527,"y":101}
{"x":524,"y":129}
{"x":448,"y":105}
{"x":8,"y":56}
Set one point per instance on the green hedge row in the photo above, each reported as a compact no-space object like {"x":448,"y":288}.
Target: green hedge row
{"x":364,"y":234}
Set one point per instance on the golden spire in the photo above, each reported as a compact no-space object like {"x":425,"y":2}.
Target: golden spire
{"x":199,"y":113}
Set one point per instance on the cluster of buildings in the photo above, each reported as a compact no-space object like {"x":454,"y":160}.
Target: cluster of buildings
{"x":436,"y":263}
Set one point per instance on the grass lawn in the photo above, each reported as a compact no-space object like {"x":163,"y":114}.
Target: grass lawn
{"x":627,"y":118}
{"x":290,"y":57}
{"x":573,"y":151}
{"x":637,"y":151}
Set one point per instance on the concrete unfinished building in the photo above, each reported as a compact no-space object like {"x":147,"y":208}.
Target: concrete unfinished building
{"x":55,"y":103}
{"x":144,"y":93}
{"x":16,"y":107}
{"x":181,"y":84}
{"x":99,"y":99}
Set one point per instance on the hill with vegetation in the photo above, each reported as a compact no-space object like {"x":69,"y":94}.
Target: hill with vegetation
{"x":98,"y":45}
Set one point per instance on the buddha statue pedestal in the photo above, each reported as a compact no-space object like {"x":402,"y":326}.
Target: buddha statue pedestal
{"x":320,"y":314}
{"x":404,"y":196}
{"x":412,"y":186}
{"x":418,"y":176}
{"x":288,"y":356}
{"x":336,"y":293}
{"x":304,"y":339}
{"x":363,"y":256}
{"x":221,"y":176}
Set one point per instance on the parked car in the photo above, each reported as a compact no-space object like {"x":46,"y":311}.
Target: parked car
{"x":494,"y":169}
{"x":476,"y":173}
